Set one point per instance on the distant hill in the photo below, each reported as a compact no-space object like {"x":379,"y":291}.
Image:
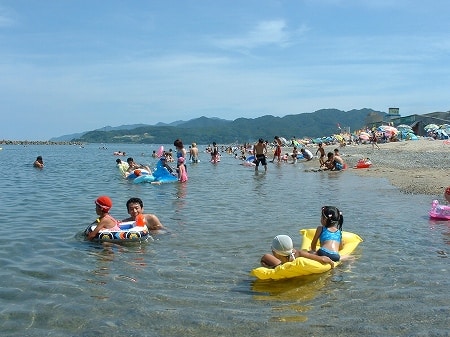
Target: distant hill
{"x":66,"y":138}
{"x":205,"y":130}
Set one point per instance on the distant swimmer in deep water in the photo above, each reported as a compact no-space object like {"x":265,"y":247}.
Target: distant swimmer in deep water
{"x":39,"y":163}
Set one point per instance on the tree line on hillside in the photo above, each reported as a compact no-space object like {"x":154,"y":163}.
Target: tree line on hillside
{"x":205,"y":130}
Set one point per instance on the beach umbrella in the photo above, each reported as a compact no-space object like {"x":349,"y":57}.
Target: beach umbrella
{"x":364,"y":136}
{"x":339,"y":138}
{"x":431,"y":127}
{"x":403,"y":126}
{"x":388,"y":129}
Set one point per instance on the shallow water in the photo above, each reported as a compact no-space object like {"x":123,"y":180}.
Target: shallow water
{"x":194,"y":280}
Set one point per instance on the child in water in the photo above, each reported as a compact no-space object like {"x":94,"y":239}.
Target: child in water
{"x":182,"y":174}
{"x":329,"y":233}
{"x":447,"y":194}
{"x":283,"y":251}
{"x":104,"y":221}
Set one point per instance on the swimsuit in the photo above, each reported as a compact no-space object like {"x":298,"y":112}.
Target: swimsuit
{"x":260,"y":158}
{"x":112,"y":229}
{"x":338,"y":166}
{"x":277,"y":150}
{"x":327,"y":235}
{"x":183,"y":175}
{"x":334,"y":256}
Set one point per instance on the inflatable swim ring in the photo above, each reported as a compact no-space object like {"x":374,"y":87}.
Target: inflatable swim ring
{"x":129,"y":232}
{"x":363,"y":163}
{"x":439,"y":212}
{"x":137,"y":173}
{"x":302,"y":266}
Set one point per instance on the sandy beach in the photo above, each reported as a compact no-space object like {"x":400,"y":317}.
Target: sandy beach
{"x":415,"y":167}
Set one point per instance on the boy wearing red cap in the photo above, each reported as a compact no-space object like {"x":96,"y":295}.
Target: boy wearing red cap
{"x":105,"y":221}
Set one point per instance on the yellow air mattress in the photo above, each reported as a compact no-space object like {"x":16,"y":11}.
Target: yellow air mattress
{"x":302,"y":266}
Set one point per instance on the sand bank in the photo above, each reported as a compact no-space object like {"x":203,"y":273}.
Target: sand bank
{"x":416,"y":167}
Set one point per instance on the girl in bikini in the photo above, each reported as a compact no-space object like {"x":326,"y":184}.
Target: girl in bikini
{"x":329,"y":233}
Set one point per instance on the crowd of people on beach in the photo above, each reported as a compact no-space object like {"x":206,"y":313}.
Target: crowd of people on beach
{"x":327,"y":240}
{"x":259,"y":152}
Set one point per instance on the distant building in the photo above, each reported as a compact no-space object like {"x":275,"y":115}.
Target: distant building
{"x":416,"y":122}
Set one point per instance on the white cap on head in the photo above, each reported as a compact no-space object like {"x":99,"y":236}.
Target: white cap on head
{"x":282,"y":245}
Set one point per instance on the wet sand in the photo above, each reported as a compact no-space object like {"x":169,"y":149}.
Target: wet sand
{"x":415,"y":167}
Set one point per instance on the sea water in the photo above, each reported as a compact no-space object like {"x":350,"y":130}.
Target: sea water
{"x":195,"y":279}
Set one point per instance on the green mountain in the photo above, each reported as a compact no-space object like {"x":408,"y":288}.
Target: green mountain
{"x":205,"y":130}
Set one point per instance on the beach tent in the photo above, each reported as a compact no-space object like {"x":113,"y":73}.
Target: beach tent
{"x":441,"y":134}
{"x":409,"y":136}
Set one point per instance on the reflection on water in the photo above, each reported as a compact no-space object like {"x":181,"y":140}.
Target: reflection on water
{"x":194,"y":279}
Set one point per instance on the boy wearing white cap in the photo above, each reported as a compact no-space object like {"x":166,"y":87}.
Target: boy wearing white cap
{"x":283,"y":251}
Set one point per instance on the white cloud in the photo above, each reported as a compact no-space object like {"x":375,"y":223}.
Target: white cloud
{"x":265,"y":33}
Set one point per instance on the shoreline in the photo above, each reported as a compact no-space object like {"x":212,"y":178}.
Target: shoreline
{"x":415,"y":166}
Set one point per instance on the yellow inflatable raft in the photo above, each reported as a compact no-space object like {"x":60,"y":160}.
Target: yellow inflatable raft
{"x":302,"y":266}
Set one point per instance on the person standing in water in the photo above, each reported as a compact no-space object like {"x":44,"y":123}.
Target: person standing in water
{"x":277,"y":153}
{"x":260,"y":151}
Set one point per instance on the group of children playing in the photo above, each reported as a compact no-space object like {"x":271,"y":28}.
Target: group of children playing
{"x":333,"y":161}
{"x":132,"y":167}
{"x":328,"y":235}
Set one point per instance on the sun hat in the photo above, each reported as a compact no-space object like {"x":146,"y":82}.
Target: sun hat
{"x":104,"y":202}
{"x":282,"y":245}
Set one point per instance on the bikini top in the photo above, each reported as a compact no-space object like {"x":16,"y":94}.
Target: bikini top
{"x":327,"y":235}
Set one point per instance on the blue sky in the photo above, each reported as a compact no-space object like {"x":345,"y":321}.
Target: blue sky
{"x":73,"y":66}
